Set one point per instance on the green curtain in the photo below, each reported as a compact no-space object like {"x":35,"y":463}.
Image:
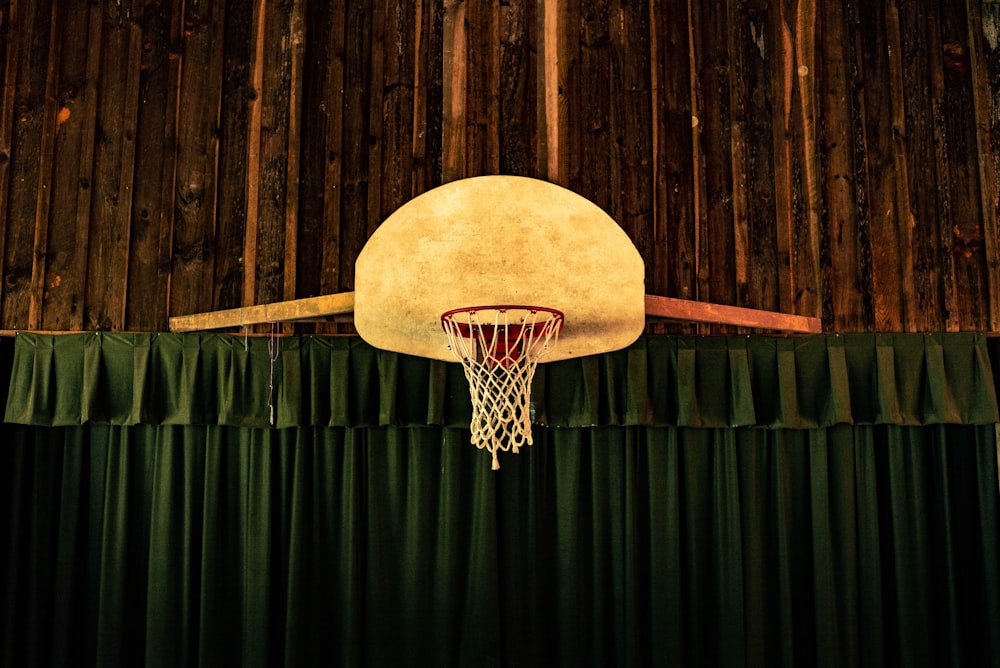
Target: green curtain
{"x":736,"y":501}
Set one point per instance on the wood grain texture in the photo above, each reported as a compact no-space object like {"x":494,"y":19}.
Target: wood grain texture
{"x":845,"y":282}
{"x":454,"y":76}
{"x":674,"y":166}
{"x":65,"y":278}
{"x":193,"y":287}
{"x":834,"y":159}
{"x":355,"y":167}
{"x":984,"y":32}
{"x":10,"y":38}
{"x":716,"y":235}
{"x":517,"y":103}
{"x":30,"y":50}
{"x":878,"y":36}
{"x":155,"y":153}
{"x":114,"y":161}
{"x":45,"y":169}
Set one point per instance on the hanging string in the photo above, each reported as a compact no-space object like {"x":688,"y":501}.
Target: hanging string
{"x":246,"y":332}
{"x":272,"y":354}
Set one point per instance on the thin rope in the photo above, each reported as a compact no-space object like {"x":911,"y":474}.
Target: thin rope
{"x":246,"y":332}
{"x":273,"y":348}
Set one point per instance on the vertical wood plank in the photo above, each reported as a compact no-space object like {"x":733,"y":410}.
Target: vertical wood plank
{"x":845,"y":280}
{"x":453,"y":113}
{"x":880,"y":102}
{"x":743,"y":66}
{"x":236,"y":99}
{"x":155,"y":148}
{"x":593,"y":158}
{"x":482,"y":130}
{"x":943,"y":229}
{"x":357,"y":140}
{"x":755,"y":237}
{"x":397,"y":111}
{"x":115,"y":169}
{"x":45,"y":173}
{"x":9,"y":46}
{"x":795,"y":158}
{"x":518,"y":103}
{"x":920,"y":58}
{"x":631,"y":54}
{"x":276,"y":157}
{"x":376,"y":129}
{"x":716,"y":264}
{"x":984,"y":33}
{"x":320,"y":148}
{"x":194,"y":232}
{"x":332,"y":218}
{"x":297,"y":36}
{"x":808,"y":237}
{"x":962,"y":161}
{"x":674,"y":164}
{"x":30,"y":72}
{"x":73,"y":149}
{"x":258,"y":41}
{"x":428,"y":90}
{"x":553,"y":82}
{"x":114,"y":160}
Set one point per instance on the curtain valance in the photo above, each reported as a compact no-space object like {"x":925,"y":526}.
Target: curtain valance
{"x":159,"y":378}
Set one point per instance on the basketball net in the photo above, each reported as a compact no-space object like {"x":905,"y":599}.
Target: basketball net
{"x":499,"y":348}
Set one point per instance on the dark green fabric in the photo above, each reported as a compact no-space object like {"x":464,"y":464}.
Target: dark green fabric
{"x":606,"y":546}
{"x":770,"y":382}
{"x":742,"y":501}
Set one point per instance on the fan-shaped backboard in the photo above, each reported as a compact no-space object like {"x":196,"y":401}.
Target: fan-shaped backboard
{"x":499,"y":240}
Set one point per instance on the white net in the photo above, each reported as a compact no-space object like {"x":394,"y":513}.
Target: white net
{"x":499,"y":348}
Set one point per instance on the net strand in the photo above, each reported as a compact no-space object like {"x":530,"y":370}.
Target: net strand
{"x":499,"y":355}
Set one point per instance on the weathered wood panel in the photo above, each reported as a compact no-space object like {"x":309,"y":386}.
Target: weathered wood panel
{"x":716,"y":244}
{"x":986,"y":76}
{"x":632,"y":67}
{"x":237,"y":96}
{"x":517,"y":100}
{"x":878,"y":37}
{"x":845,"y":280}
{"x":277,"y":158}
{"x":674,"y":166}
{"x":396,"y":116}
{"x":322,"y":127}
{"x":10,"y":38}
{"x":69,"y":214}
{"x":155,"y":149}
{"x":114,"y":162}
{"x":961,"y":161}
{"x":819,"y":158}
{"x":193,"y":287}
{"x":353,"y":221}
{"x":29,"y":48}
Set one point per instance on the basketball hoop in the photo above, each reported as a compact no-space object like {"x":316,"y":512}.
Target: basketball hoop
{"x":499,"y":348}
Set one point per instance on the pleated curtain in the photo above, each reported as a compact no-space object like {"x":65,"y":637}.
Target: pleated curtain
{"x":210,"y":500}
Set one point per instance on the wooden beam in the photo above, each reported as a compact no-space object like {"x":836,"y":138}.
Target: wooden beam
{"x":296,"y":309}
{"x":683,"y":309}
{"x":343,"y":303}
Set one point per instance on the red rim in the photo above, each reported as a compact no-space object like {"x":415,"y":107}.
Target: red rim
{"x":513,"y":330}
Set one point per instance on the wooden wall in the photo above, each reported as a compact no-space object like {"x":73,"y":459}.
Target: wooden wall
{"x":830,"y":158}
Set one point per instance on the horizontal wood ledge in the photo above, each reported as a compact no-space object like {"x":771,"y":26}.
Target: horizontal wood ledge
{"x":297,"y":309}
{"x":343,"y":303}
{"x":685,"y":309}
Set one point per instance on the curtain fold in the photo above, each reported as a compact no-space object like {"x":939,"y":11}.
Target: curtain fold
{"x":207,"y":545}
{"x":801,"y":383}
{"x":735,"y":501}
